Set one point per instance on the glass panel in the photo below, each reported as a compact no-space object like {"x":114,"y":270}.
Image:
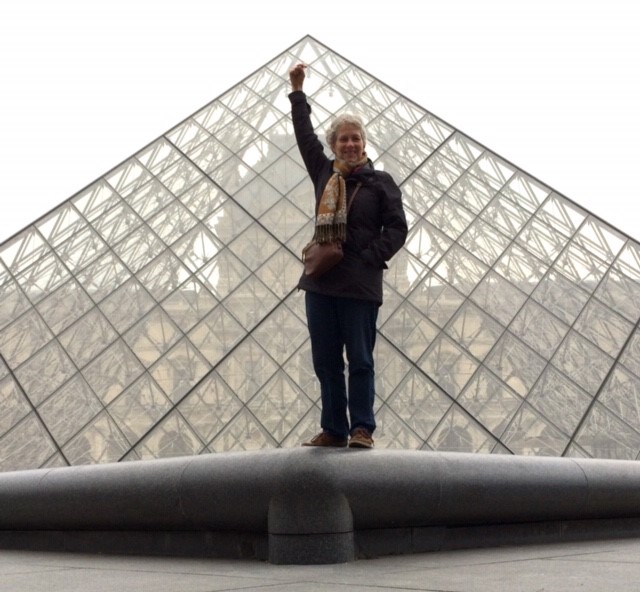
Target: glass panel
{"x":458,"y":432}
{"x":539,"y":329}
{"x":279,"y":405}
{"x":559,"y":399}
{"x":621,"y":293}
{"x":64,"y":306}
{"x":584,"y":362}
{"x":45,"y":372}
{"x":62,"y":223}
{"x":172,"y":222}
{"x":484,"y":242}
{"x":188,"y":135}
{"x":419,"y":195}
{"x":117,"y":223}
{"x":472,"y":193}
{"x":409,"y":330}
{"x":247,"y":370}
{"x":521,"y":268}
{"x":281,"y":333}
{"x":42,"y":277}
{"x":603,"y":327}
{"x":542,"y":240}
{"x":128,"y":304}
{"x":426,"y":243}
{"x":128,"y":177}
{"x":461,"y":269}
{"x":531,"y":434}
{"x":497,"y":297}
{"x":281,"y":272}
{"x":13,"y":404}
{"x":245,"y":432}
{"x":112,"y":371}
{"x":254,"y":247}
{"x":87,"y":337}
{"x":474,"y":330}
{"x":13,"y":300}
{"x":599,"y":239}
{"x":26,"y":446}
{"x":441,"y":172}
{"x":558,"y":213}
{"x":631,"y":355}
{"x":94,"y":201}
{"x":227,"y":222}
{"x":461,"y":150}
{"x":171,"y":437}
{"x":188,"y":304}
{"x":516,"y":364}
{"x":448,"y":365}
{"x":138,"y":408}
{"x":139,"y":248}
{"x":621,"y":394}
{"x":23,"y":338}
{"x":605,"y":436}
{"x":69,"y":410}
{"x":100,"y":442}
{"x":216,"y":335}
{"x":492,"y":170}
{"x":419,"y":403}
{"x":150,"y":199}
{"x":223,"y":274}
{"x":152,"y":336}
{"x":203,"y":198}
{"x":526,"y":192}
{"x":581,"y":268}
{"x":505,"y":215}
{"x":436,"y":299}
{"x":163,"y":275}
{"x":284,"y":220}
{"x":391,"y":367}
{"x":159,"y":156}
{"x":450,"y":217}
{"x":395,"y":433}
{"x":560,"y":296}
{"x":103,"y":276}
{"x":210,"y":407}
{"x":179,"y":370}
{"x":488,"y":400}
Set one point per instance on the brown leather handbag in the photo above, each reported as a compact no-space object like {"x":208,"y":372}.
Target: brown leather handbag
{"x":318,"y":258}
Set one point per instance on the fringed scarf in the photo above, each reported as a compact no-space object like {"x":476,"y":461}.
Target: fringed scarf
{"x":331,"y":221}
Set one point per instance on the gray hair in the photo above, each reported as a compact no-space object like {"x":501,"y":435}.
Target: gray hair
{"x":345,"y":119}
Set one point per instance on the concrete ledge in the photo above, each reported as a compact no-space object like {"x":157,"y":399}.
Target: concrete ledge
{"x":310,"y":505}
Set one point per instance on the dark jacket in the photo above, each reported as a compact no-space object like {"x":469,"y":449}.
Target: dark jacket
{"x":376,"y":223}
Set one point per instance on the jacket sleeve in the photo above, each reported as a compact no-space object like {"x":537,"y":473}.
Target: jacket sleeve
{"x":394,"y":225}
{"x":311,"y":149}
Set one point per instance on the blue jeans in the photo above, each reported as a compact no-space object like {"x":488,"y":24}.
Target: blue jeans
{"x":335,"y":325}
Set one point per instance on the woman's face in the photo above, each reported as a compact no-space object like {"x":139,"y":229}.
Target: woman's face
{"x":349,"y":145}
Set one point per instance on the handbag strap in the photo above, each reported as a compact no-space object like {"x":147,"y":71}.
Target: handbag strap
{"x":353,"y":196}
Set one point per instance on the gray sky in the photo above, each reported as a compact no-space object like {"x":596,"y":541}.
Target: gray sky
{"x":550,"y":85}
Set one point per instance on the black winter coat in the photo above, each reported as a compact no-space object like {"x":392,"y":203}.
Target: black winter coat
{"x":376,"y":223}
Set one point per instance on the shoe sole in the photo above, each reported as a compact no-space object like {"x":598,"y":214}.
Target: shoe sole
{"x":360,"y":445}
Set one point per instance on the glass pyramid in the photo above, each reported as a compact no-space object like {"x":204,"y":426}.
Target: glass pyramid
{"x":155,"y":313}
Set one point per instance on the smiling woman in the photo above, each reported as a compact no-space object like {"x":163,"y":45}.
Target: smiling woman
{"x":342,"y":304}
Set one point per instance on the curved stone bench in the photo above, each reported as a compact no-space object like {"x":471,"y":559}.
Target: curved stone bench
{"x":311,"y":505}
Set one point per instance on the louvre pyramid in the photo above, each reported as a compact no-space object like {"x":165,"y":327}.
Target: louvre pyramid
{"x":155,"y":313}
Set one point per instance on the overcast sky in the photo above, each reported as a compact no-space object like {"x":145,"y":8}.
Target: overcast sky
{"x":550,"y":85}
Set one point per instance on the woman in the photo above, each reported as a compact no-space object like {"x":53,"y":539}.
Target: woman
{"x":342,"y":305}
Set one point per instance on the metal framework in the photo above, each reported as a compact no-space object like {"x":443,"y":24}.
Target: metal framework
{"x":154,"y":314}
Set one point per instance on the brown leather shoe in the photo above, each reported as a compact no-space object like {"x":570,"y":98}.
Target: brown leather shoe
{"x":326,"y":439}
{"x":361,"y":438}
